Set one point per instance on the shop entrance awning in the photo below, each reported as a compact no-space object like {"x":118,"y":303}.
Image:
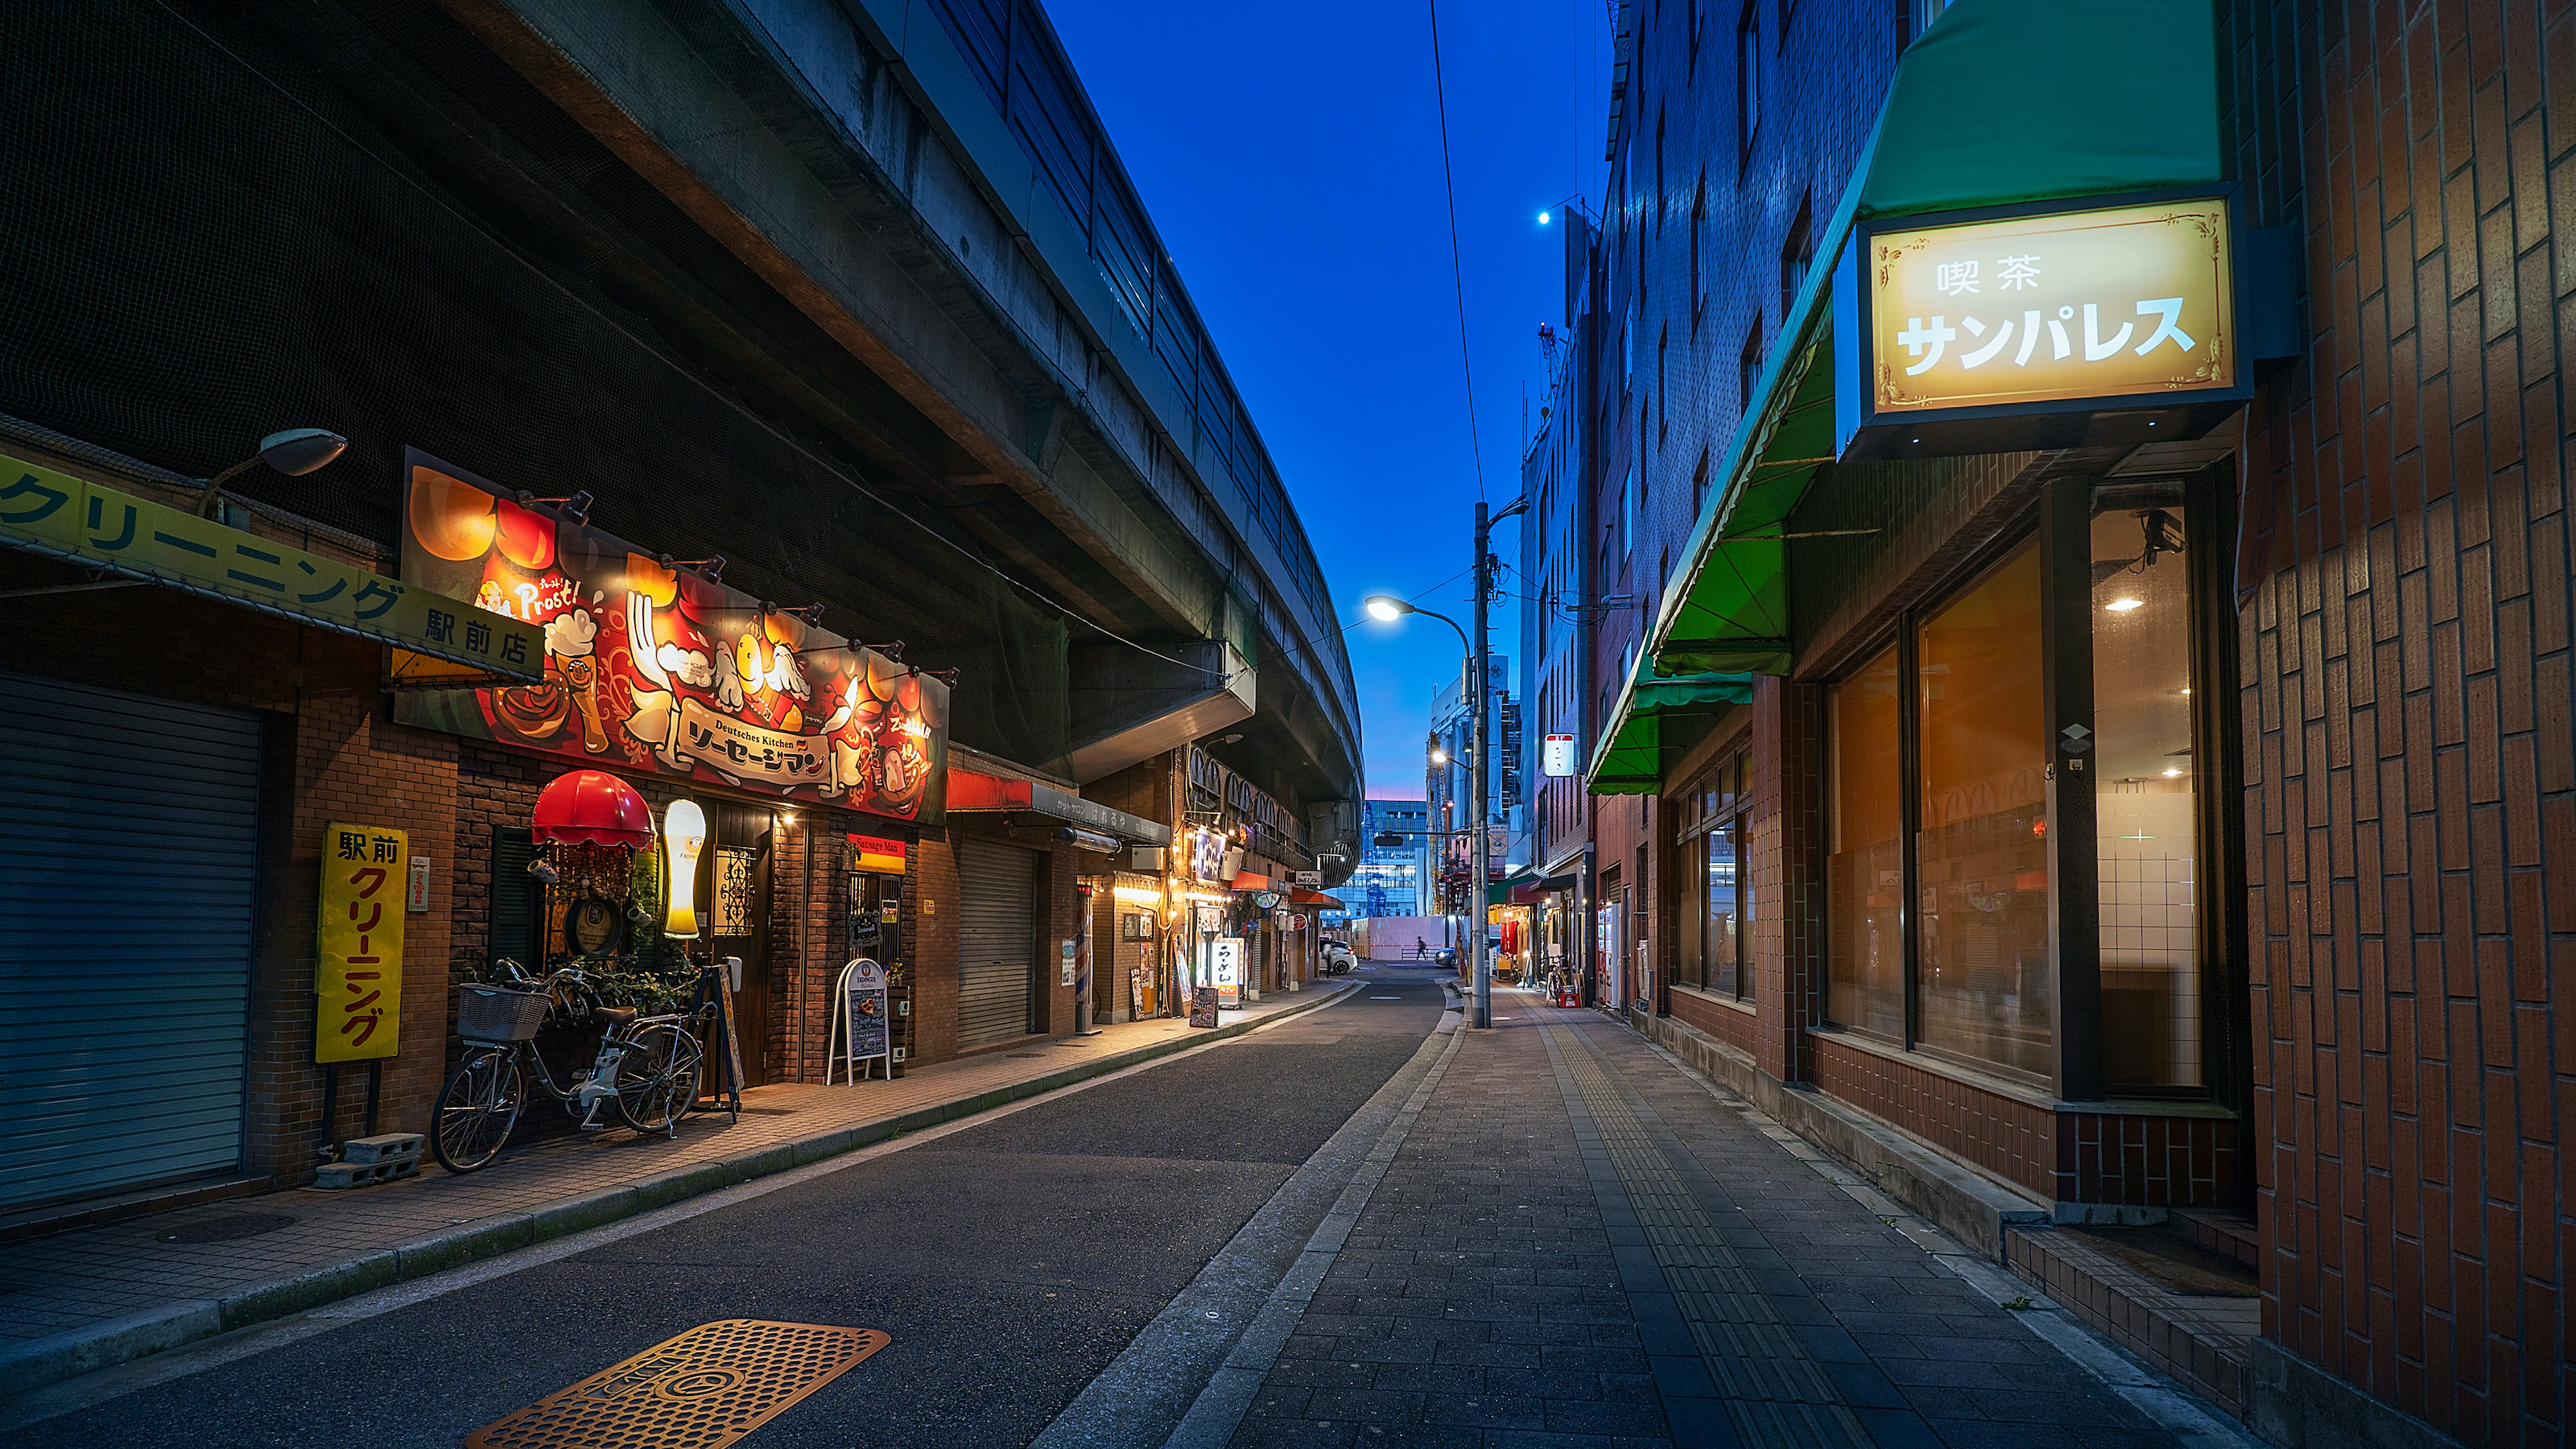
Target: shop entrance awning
{"x":2000,"y":102}
{"x":974,"y":791}
{"x":1631,"y":759}
{"x":128,"y":537}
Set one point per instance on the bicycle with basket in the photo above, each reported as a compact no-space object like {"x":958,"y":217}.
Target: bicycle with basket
{"x":648,"y":1066}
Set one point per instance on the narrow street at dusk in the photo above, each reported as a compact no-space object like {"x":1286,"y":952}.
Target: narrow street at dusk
{"x":1137,"y":724}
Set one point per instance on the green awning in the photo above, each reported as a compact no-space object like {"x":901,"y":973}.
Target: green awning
{"x":2001,"y":101}
{"x":1632,"y":758}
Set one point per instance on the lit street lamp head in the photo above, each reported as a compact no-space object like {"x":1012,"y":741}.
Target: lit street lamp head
{"x":1439,"y":757}
{"x":1385,"y":609}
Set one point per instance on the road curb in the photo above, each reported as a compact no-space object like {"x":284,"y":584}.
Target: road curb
{"x":43,"y":1361}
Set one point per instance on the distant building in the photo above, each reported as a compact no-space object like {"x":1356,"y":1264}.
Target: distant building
{"x":1445,"y":783}
{"x":1388,"y":881}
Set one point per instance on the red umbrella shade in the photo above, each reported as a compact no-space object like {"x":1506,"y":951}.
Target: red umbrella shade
{"x":591,"y":807}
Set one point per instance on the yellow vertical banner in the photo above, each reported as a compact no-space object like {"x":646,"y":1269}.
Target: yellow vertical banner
{"x":358,"y":977}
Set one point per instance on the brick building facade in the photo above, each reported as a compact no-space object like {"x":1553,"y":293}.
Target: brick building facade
{"x":2371,"y":784}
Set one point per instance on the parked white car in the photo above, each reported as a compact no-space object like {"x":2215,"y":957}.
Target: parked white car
{"x":1338,"y":959}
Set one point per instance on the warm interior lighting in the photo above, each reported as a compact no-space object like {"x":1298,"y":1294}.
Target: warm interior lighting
{"x":1136,"y":896}
{"x":2170,"y":773}
{"x":2122,"y":606}
{"x":684,"y":828}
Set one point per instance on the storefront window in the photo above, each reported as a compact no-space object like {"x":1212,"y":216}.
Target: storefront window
{"x":1865,"y":961}
{"x":1712,"y":840}
{"x":2145,"y":798}
{"x":1723,"y":886}
{"x":1981,"y":852}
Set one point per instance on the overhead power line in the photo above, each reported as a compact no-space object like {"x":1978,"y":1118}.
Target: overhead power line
{"x":1457,"y":270}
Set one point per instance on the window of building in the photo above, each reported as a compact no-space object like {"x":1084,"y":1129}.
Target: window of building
{"x":1701,"y":253}
{"x":1749,"y":77}
{"x":1628,"y":350}
{"x":1662,"y":207}
{"x":2145,"y":800}
{"x":1748,"y":368}
{"x":1797,"y":253}
{"x":1981,"y":847}
{"x":1714,"y":938}
{"x":1663,"y":360}
{"x":1970,"y":752}
{"x":1927,"y":11}
{"x":1628,"y":512}
{"x":1699,"y":484}
{"x":1864,"y":868}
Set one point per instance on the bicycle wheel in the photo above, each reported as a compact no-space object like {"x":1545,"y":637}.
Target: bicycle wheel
{"x":476,"y":1110}
{"x":657,"y":1078}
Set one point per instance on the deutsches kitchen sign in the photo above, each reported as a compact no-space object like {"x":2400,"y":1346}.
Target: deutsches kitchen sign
{"x":650,"y":665}
{"x":2113,"y":309}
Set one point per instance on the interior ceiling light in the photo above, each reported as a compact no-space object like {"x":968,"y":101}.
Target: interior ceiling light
{"x":2171,"y":772}
{"x":2122,"y":606}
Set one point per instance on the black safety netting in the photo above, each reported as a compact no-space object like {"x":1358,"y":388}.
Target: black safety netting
{"x":208,"y":239}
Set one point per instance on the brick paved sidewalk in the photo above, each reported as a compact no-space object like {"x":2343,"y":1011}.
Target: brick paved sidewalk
{"x":99,"y":1295}
{"x":1579,"y":1245}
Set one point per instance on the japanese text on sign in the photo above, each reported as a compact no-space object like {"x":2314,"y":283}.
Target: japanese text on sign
{"x":68,"y":517}
{"x":357,"y":979}
{"x":2109,"y":303}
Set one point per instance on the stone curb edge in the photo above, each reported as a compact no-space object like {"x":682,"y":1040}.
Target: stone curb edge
{"x":68,"y":1355}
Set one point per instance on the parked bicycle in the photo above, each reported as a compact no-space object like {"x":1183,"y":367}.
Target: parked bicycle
{"x":647,"y":1065}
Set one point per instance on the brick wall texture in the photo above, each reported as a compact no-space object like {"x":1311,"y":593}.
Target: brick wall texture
{"x":2410,"y":807}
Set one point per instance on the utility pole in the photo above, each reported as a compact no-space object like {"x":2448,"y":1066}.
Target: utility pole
{"x":1480,"y":854}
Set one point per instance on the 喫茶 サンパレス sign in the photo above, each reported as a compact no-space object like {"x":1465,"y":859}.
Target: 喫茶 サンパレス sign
{"x":2064,"y":328}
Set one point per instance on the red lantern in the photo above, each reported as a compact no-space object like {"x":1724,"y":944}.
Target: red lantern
{"x":592,"y":807}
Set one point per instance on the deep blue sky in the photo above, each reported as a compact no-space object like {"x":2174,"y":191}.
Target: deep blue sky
{"x":1290,"y":155}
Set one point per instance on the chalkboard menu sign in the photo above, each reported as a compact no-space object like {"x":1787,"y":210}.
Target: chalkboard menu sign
{"x":860,"y":1020}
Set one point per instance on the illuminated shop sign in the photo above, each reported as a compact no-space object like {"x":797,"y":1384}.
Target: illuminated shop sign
{"x":653,"y":666}
{"x":2111,"y":324}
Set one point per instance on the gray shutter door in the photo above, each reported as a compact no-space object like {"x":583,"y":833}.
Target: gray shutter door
{"x":128,"y":846}
{"x":996,"y":941}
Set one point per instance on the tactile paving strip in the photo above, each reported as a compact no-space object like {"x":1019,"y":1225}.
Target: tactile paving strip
{"x":702,"y":1389}
{"x":1773,"y":1391}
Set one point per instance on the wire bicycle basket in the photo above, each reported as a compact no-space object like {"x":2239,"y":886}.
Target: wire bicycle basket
{"x":498,"y":1015}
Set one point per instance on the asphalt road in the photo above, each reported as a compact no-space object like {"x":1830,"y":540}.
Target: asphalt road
{"x":1010,"y":1261}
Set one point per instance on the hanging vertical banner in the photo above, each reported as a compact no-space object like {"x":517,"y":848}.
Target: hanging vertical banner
{"x":357,"y":976}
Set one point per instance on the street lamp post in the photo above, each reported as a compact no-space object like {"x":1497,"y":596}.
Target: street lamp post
{"x":1481,"y":855}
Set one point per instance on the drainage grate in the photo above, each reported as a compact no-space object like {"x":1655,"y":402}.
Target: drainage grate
{"x":703,"y":1389}
{"x":227,"y":1228}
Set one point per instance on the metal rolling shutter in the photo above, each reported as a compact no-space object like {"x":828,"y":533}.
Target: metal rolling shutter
{"x":128,"y":844}
{"x":996,"y":941}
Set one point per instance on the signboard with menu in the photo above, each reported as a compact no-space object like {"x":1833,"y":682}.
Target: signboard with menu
{"x":653,"y":664}
{"x":1226,"y":965}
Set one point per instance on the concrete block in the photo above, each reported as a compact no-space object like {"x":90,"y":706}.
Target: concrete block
{"x":383,"y":1147}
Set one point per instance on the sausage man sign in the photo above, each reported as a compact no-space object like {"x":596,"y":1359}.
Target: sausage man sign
{"x":650,"y":664}
{"x":2115,"y":323}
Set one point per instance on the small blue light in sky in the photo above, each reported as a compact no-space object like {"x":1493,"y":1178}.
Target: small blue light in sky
{"x":1542,"y":218}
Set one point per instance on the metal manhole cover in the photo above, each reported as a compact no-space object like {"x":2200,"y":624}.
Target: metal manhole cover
{"x":224,"y":1229}
{"x":701,"y":1389}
